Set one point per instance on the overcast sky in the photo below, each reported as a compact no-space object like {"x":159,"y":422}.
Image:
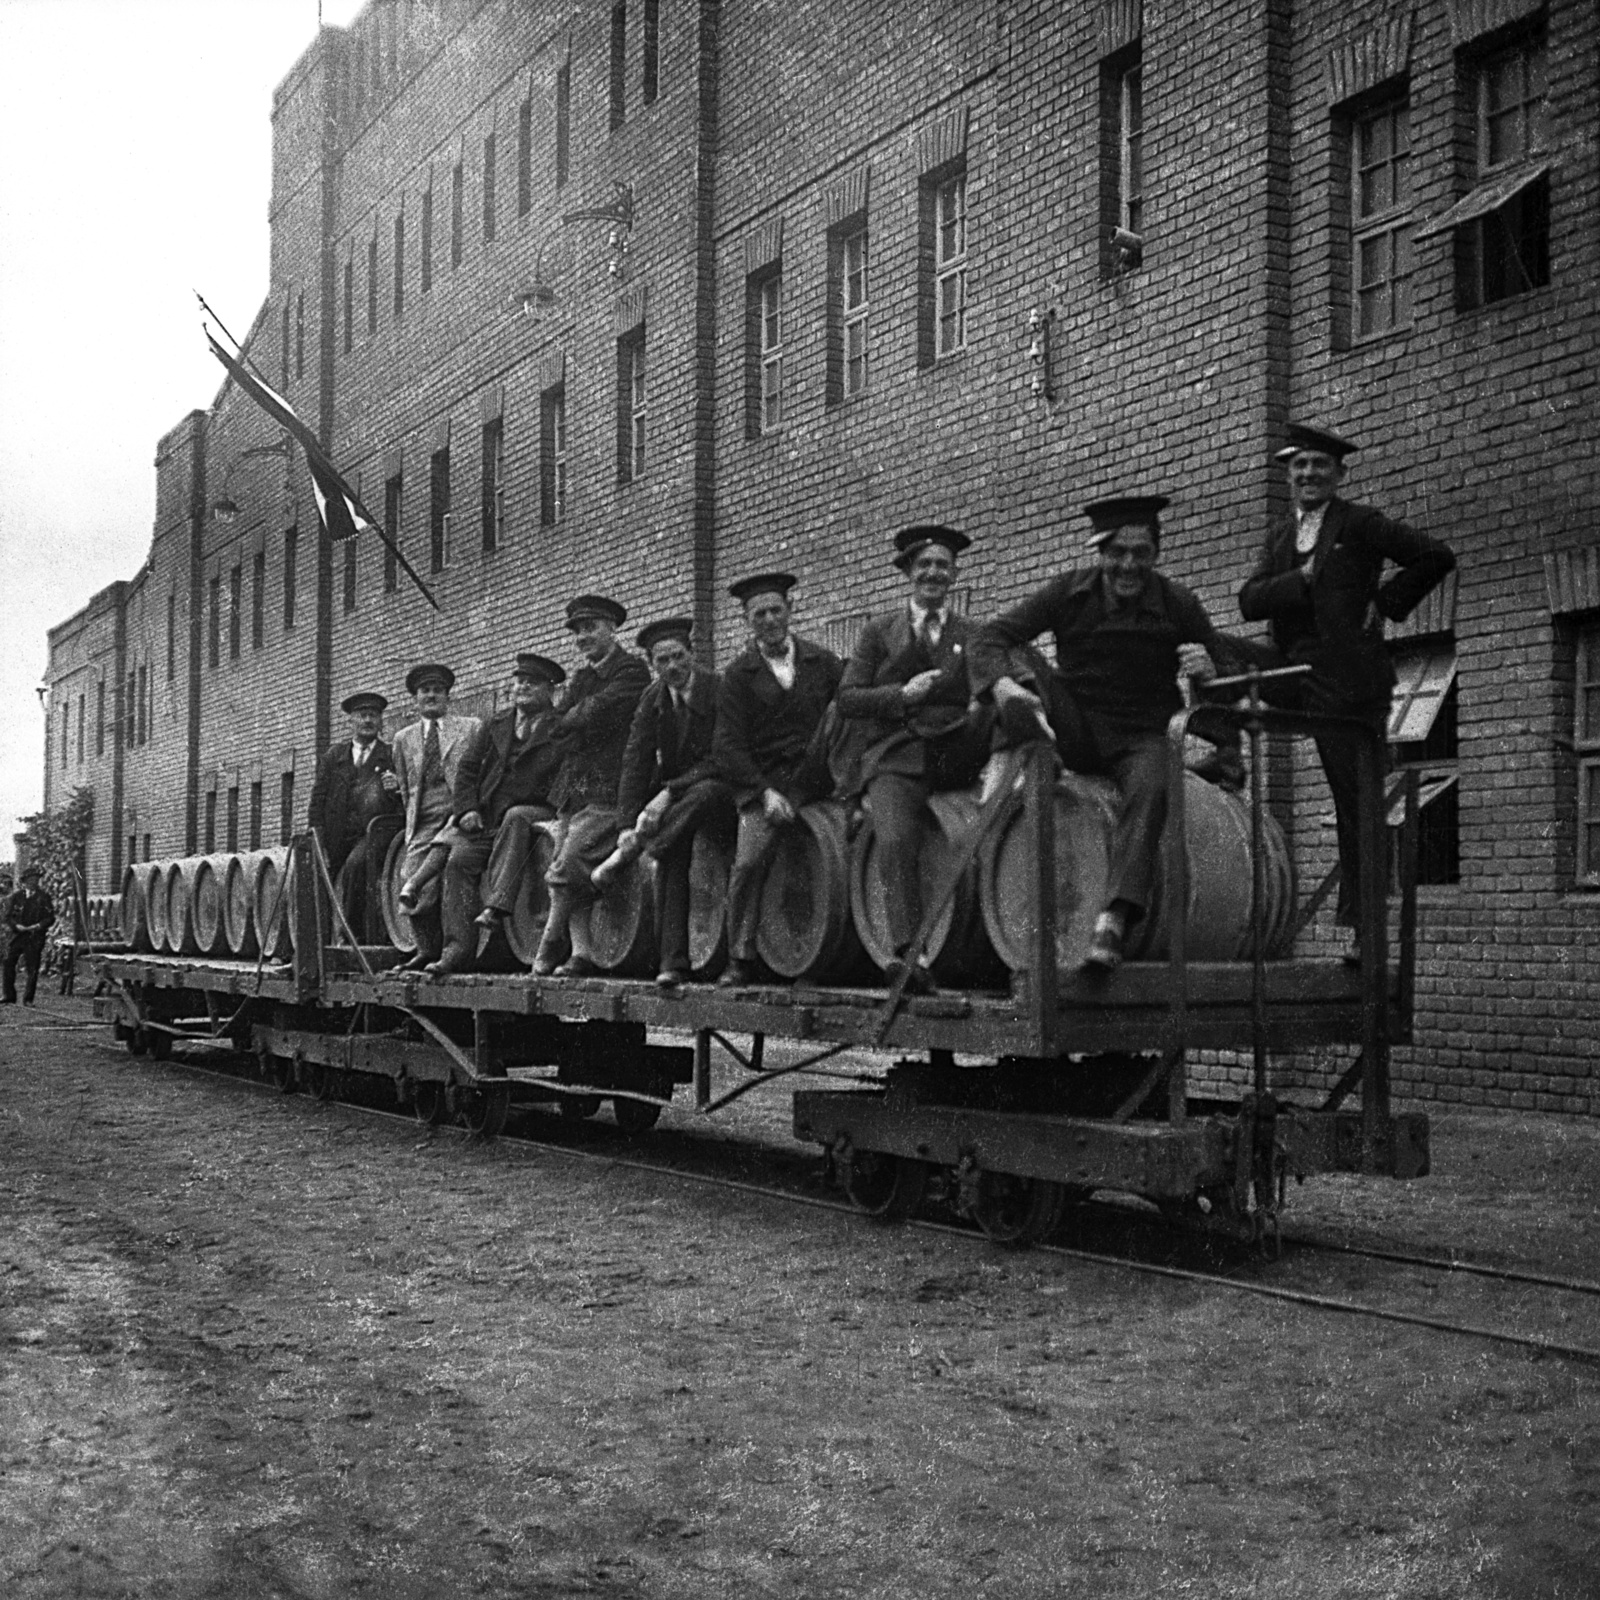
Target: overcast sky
{"x":135,"y":138}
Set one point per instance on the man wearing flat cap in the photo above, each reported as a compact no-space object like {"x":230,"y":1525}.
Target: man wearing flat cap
{"x":906,"y":687}
{"x":28,"y":914}
{"x":355,"y":784}
{"x":669,"y":787}
{"x":427,"y":760}
{"x":1319,"y":585}
{"x":773,"y":698}
{"x":1124,"y":635}
{"x":502,"y":789}
{"x":593,"y":731}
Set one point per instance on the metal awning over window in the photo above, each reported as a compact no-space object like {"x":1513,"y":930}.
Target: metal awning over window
{"x":1423,"y":679}
{"x":1489,"y":196}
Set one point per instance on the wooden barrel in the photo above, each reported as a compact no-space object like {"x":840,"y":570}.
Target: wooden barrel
{"x":238,"y":903}
{"x":958,"y":948}
{"x":622,"y":922}
{"x":134,"y":907}
{"x":156,"y":906}
{"x":804,"y":928}
{"x":180,"y":940}
{"x":395,"y":920}
{"x":524,"y":925}
{"x":1218,"y":914}
{"x":269,"y":903}
{"x":710,"y":858}
{"x":205,"y":908}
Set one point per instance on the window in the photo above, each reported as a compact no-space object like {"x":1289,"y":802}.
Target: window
{"x":1586,"y":744}
{"x":524,"y":158}
{"x":631,"y":412}
{"x":350,"y":547}
{"x":144,"y":705}
{"x":148,"y":852}
{"x":349,"y":305}
{"x":372,"y":285}
{"x":1122,"y":161}
{"x":456,"y":202}
{"x":286,"y":808}
{"x":488,"y":187}
{"x":300,"y":335}
{"x":391,"y":526}
{"x":563,"y":121}
{"x":1130,"y":148}
{"x":764,"y":353}
{"x":211,"y":822}
{"x":83,"y":720}
{"x":288,"y":312}
{"x":650,"y":81}
{"x":214,"y":624}
{"x":133,"y":848}
{"x":100,"y":718}
{"x":255,"y":815}
{"x":1381,"y":222}
{"x":849,"y":306}
{"x":942,"y":252}
{"x":291,"y":553}
{"x":400,"y":266}
{"x":439,"y":509}
{"x":235,"y":606}
{"x":258,"y":600}
{"x":130,"y":711}
{"x":1423,"y":734}
{"x":494,"y":486}
{"x":619,"y":65}
{"x":172,"y":634}
{"x":427,"y":240}
{"x":233,"y":819}
{"x":553,"y":456}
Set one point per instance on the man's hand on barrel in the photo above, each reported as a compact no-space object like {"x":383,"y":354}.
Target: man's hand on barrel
{"x":470,"y":822}
{"x":777,"y":808}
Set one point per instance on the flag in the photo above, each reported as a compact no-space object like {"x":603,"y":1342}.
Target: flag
{"x":341,"y":511}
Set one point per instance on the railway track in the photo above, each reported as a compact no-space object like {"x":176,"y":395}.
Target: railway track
{"x":690,"y":1157}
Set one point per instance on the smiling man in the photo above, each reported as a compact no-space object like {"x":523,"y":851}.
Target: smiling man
{"x":1124,"y":635}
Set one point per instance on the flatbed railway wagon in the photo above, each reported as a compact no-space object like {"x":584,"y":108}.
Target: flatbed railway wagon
{"x":1014,"y":1098}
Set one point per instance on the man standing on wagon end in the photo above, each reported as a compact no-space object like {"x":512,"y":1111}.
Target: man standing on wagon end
{"x":595,"y":718}
{"x":907,"y":685}
{"x":1124,"y":634}
{"x":1320,"y":586}
{"x":773,"y":697}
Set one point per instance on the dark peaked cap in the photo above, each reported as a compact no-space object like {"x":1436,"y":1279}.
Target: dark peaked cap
{"x":365,"y":700}
{"x":909,"y":543}
{"x":762,"y":583}
{"x":652,"y":633}
{"x":530,"y":665}
{"x":429,"y":669}
{"x":1125,"y":511}
{"x":595,"y":605}
{"x":1301,"y":437}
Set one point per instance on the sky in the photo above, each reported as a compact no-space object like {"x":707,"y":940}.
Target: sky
{"x":137,"y":138}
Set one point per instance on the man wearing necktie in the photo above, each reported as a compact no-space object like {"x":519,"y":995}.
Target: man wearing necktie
{"x":669,"y":788}
{"x":907,"y":687}
{"x":1319,"y":584}
{"x":355,"y":784}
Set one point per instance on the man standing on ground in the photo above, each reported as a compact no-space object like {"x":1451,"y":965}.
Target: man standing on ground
{"x":773,"y":697}
{"x":595,"y":718}
{"x":1320,"y":585}
{"x":1124,"y":634}
{"x":29,"y":915}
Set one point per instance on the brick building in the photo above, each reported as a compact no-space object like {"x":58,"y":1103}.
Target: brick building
{"x":829,"y":269}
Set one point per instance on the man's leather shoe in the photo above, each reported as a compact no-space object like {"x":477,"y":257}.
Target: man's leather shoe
{"x":577,"y":967}
{"x":450,"y":961}
{"x":1105,"y":949}
{"x":542,"y":968}
{"x":670,"y":982}
{"x":738,"y":975}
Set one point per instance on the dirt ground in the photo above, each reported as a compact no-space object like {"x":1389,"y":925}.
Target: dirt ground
{"x":253,"y":1346}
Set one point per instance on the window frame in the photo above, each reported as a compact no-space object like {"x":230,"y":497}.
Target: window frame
{"x":493,"y":497}
{"x":633,"y":405}
{"x":764,"y":357}
{"x":553,"y":456}
{"x":439,"y":510}
{"x":393,"y":505}
{"x":949,"y":269}
{"x":1425,"y":708}
{"x":1586,"y":751}
{"x":1393,"y":223}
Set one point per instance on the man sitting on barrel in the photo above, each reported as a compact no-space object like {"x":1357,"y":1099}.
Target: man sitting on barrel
{"x":502,"y":790}
{"x":1124,"y":635}
{"x":669,"y":788}
{"x":595,"y":718}
{"x":772,"y":700}
{"x":355,"y":784}
{"x":907,"y":684}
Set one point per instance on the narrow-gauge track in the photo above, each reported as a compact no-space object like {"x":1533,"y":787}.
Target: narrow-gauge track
{"x":525,"y":1131}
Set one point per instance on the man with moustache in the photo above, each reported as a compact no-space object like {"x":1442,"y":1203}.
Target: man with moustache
{"x":595,"y":718}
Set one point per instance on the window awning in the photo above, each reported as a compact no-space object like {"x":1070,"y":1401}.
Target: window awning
{"x":1423,"y":679}
{"x":1489,"y":196}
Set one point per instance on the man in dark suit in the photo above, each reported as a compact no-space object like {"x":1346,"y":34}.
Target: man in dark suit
{"x":355,"y":783}
{"x":502,"y":790}
{"x":1319,"y":585}
{"x":595,"y":718}
{"x":907,"y":686}
{"x":29,"y":914}
{"x":669,"y":787}
{"x":773,"y":697}
{"x":1124,"y":635}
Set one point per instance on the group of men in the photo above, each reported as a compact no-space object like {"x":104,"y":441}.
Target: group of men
{"x":639,"y":752}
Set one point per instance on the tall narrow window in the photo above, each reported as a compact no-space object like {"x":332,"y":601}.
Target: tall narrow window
{"x":524,"y":158}
{"x":1423,"y":733}
{"x":400,"y":266}
{"x":553,"y":455}
{"x":291,"y":559}
{"x":1508,"y":246}
{"x":233,"y":820}
{"x":848,"y":311}
{"x":619,"y":64}
{"x":1130,"y":150}
{"x":83,"y":722}
{"x":148,"y":853}
{"x":631,"y":408}
{"x":211,"y":822}
{"x":488,"y":187}
{"x":255,"y":815}
{"x":1380,"y":214}
{"x":391,"y":526}
{"x":144,"y":706}
{"x":494,"y":486}
{"x":349,"y":305}
{"x":457,"y":184}
{"x":942,"y":323}
{"x":1122,"y":161}
{"x":214,"y":623}
{"x":288,"y":336}
{"x":100,"y":718}
{"x":350,"y":547}
{"x":427,"y":239}
{"x":650,"y":80}
{"x":130,"y":712}
{"x":235,"y":605}
{"x":286,"y":808}
{"x":172,"y":635}
{"x":133,"y":848}
{"x":563,"y":121}
{"x":764,"y":352}
{"x":300,"y":335}
{"x":439,"y":510}
{"x":258,"y":600}
{"x":372,"y":285}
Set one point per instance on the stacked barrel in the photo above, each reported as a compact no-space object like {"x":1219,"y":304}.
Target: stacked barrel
{"x":222,"y":905}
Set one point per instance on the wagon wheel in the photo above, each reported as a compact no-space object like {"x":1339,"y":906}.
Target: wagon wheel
{"x":635,"y":1116}
{"x":160,"y":1044}
{"x":281,"y":1072}
{"x":1017,"y":1211}
{"x":138,"y":1041}
{"x":428,"y":1104}
{"x":890,"y":1187}
{"x":322,"y":1080}
{"x":483,"y":1111}
{"x":578,"y":1106}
